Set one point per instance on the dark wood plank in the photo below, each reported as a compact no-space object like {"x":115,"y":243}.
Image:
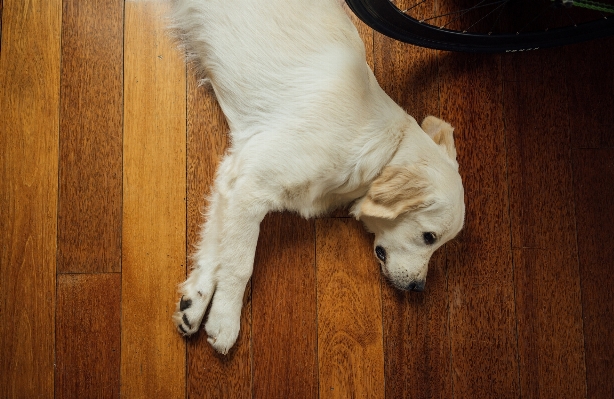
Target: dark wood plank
{"x":550,"y":334}
{"x":89,"y":214}
{"x":154,"y":207}
{"x":284,"y":327}
{"x":29,"y":123}
{"x":88,"y":335}
{"x":416,"y":340}
{"x":409,"y":75}
{"x":416,"y":337}
{"x":591,"y":93}
{"x":480,"y":279}
{"x":594,"y":196}
{"x":350,"y":347}
{"x":210,"y":374}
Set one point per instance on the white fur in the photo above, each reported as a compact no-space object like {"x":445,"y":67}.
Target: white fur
{"x":311,"y":130}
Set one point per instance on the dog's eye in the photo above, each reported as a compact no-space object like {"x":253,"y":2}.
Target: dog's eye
{"x":429,"y":238}
{"x":381,"y":253}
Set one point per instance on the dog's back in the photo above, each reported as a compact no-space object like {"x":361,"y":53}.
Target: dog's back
{"x":280,"y":54}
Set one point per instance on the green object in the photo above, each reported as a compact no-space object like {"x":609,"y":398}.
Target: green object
{"x":591,"y":5}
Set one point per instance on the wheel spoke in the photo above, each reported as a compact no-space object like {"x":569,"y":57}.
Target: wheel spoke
{"x":486,"y":16}
{"x":466,"y":10}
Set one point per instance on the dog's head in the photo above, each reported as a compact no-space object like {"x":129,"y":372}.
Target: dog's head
{"x":414,"y":209}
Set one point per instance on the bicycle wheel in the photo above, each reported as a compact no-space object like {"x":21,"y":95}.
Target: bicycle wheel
{"x":488,"y":25}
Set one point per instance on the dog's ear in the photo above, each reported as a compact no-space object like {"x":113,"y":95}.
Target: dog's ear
{"x":442,"y":134}
{"x":397,"y":190}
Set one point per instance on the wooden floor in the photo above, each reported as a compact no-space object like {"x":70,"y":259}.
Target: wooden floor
{"x":108,"y":148}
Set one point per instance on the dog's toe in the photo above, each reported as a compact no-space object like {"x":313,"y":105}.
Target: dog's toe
{"x":188,"y":316}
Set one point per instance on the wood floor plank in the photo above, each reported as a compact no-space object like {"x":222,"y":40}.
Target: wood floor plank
{"x":408,"y":74}
{"x":154,"y":209}
{"x":284,"y":321}
{"x":416,"y":340}
{"x":1,"y":9}
{"x":550,"y":331}
{"x":350,"y":347}
{"x":29,"y":124}
{"x":594,"y":197}
{"x":416,"y":337}
{"x":88,"y":335}
{"x":210,"y":374}
{"x":89,"y":220}
{"x":480,"y":279}
{"x":591,"y":93}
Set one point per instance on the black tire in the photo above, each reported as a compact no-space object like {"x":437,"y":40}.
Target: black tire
{"x":384,"y":17}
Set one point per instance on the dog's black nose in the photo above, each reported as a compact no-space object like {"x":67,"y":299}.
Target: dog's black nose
{"x":416,"y":286}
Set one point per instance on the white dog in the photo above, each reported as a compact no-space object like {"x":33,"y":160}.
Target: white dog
{"x":311,"y":130}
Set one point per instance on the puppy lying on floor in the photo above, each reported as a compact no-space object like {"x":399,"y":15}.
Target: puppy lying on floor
{"x":311,"y":130}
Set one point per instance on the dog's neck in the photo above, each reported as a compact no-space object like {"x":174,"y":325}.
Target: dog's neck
{"x":413,"y":145}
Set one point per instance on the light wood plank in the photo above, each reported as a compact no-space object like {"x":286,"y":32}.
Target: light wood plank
{"x":210,"y":374}
{"x":29,"y":123}
{"x":547,"y":279}
{"x":350,"y":337}
{"x":284,"y":309}
{"x":154,"y":212}
{"x":1,"y":9}
{"x":88,"y":335}
{"x":594,"y":197}
{"x":89,"y":220}
{"x":480,"y":275}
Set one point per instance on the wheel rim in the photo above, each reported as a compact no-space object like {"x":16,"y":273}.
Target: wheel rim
{"x":388,"y":18}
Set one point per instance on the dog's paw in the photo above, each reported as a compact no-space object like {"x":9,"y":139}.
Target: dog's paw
{"x":223,"y":325}
{"x":189,"y":314}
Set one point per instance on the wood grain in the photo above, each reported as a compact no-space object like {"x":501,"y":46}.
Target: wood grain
{"x":416,"y":340}
{"x":350,"y":347}
{"x":1,"y":9}
{"x":210,"y":374}
{"x":416,"y":337}
{"x":480,"y":276}
{"x":154,"y":209}
{"x":29,"y":101}
{"x":594,"y":197}
{"x":408,"y":74}
{"x":284,"y":321}
{"x":89,"y":214}
{"x":547,"y":280}
{"x":88,"y":335}
{"x":591,"y":93}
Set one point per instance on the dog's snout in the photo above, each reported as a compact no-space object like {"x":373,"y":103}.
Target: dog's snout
{"x":416,"y":286}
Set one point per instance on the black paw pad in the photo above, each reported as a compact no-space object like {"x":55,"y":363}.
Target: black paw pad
{"x":184,"y":304}
{"x":185,"y":320}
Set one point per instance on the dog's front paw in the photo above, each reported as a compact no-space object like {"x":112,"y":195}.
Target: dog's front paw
{"x":223,"y":325}
{"x":189,"y":314}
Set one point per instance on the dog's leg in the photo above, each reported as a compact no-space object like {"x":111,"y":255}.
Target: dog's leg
{"x":197,"y":290}
{"x":224,"y":262}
